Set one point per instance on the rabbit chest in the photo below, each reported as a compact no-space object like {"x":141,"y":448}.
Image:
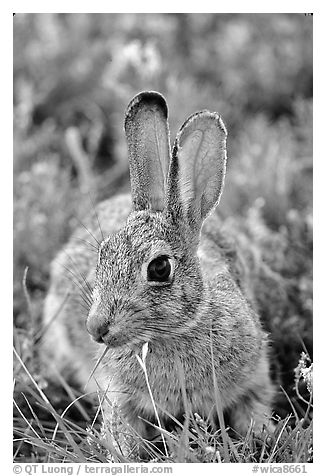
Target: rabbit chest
{"x":173,"y":377}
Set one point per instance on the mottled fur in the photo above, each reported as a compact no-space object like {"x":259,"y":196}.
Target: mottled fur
{"x":208,"y":306}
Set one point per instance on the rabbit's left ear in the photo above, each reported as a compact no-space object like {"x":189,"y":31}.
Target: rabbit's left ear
{"x":148,"y":142}
{"x":198,"y":167}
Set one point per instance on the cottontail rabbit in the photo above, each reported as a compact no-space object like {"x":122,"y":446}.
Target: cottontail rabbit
{"x":161,"y":275}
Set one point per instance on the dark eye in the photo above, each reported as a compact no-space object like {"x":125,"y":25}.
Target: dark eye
{"x":159,"y":269}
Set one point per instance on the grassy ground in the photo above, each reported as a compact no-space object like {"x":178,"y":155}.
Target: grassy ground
{"x":73,"y":77}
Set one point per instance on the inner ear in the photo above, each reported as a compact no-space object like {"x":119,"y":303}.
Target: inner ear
{"x":148,"y":140}
{"x":198,"y":166}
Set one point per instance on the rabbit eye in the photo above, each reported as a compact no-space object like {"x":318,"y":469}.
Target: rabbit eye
{"x":159,"y":269}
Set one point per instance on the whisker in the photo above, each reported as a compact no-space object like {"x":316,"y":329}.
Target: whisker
{"x":84,"y":293}
{"x":88,"y":243}
{"x":158,"y":330}
{"x":158,"y":327}
{"x":82,"y":303}
{"x":80,"y":273}
{"x":85,"y":307}
{"x":84,"y":226}
{"x":86,"y":297}
{"x":97,"y":217}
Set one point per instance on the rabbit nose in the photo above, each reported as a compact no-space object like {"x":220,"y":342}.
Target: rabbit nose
{"x":96,"y":324}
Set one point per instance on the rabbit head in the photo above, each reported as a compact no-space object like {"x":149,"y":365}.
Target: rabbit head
{"x":149,"y":283}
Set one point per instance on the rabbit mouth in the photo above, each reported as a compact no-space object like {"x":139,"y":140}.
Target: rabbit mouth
{"x":114,"y":339}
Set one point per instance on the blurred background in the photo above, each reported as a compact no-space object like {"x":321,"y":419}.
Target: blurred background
{"x":74,"y":75}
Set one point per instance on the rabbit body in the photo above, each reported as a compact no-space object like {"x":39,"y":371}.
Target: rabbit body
{"x":197,"y":318}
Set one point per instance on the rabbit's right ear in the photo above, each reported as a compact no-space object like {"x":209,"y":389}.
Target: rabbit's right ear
{"x":198,"y":167}
{"x":148,"y":142}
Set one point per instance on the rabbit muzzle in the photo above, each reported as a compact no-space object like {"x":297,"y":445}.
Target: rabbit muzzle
{"x":104,"y":332}
{"x":103,"y":329}
{"x":97,"y":323}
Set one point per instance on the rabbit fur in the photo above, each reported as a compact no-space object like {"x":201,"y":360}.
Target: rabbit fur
{"x":204,"y":310}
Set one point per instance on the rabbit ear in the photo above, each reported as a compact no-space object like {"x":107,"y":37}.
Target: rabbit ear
{"x":198,"y":166}
{"x":148,"y":142}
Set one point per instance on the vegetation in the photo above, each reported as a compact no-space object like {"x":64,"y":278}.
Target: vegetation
{"x":73,"y":77}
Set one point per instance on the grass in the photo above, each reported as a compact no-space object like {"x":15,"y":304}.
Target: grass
{"x":73,"y":77}
{"x":44,"y":433}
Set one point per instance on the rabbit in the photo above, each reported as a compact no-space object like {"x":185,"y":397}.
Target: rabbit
{"x":161,"y":274}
